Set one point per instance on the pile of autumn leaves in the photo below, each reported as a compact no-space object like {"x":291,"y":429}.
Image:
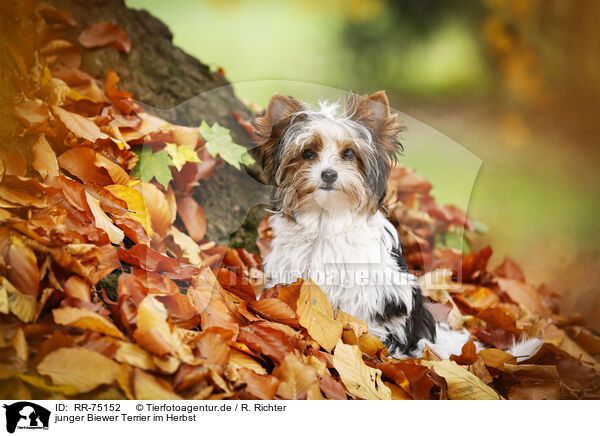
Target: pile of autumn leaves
{"x":187,"y":319}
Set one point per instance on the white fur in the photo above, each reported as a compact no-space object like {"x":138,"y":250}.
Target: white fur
{"x":332,"y":237}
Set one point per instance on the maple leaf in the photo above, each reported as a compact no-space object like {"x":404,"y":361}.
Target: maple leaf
{"x":153,"y":165}
{"x":180,"y":154}
{"x":219,"y":142}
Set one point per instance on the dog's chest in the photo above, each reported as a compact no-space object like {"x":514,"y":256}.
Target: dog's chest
{"x":352,"y":263}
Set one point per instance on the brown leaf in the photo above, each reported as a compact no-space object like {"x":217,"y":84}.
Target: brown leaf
{"x":44,"y":158}
{"x":92,"y":167}
{"x":462,"y":385}
{"x":332,"y":388}
{"x":50,"y":13}
{"x":85,"y":319}
{"x":536,"y":390}
{"x":316,"y":315}
{"x":80,"y":126}
{"x":297,"y":379}
{"x":215,"y":306}
{"x":262,"y":386}
{"x":31,"y":112}
{"x":14,"y":163}
{"x":274,"y":309}
{"x":193,"y":217}
{"x":23,"y":270}
{"x":148,"y":387}
{"x":267,"y":341}
{"x":83,"y":369}
{"x":102,"y":34}
{"x":213,"y":345}
{"x":495,"y":358}
{"x":360,"y":380}
{"x":468,"y":354}
{"x":509,"y":270}
{"x":525,"y":295}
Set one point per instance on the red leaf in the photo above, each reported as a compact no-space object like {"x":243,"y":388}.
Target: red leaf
{"x":193,"y":217}
{"x":509,"y":270}
{"x":332,"y":388}
{"x":468,"y":355}
{"x":262,"y":386}
{"x":103,"y":34}
{"x":276,"y":310}
{"x":265,"y":340}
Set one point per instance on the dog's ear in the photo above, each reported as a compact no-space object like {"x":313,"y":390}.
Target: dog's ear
{"x":374,"y":112}
{"x":279,"y":109}
{"x":271,"y":126}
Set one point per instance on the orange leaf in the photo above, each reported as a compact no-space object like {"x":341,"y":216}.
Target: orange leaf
{"x":44,"y":158}
{"x":102,"y":34}
{"x":193,"y":217}
{"x":262,"y":386}
{"x":274,"y":309}
{"x":80,"y":126}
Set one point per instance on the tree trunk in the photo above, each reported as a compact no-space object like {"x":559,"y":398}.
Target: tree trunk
{"x":184,"y":91}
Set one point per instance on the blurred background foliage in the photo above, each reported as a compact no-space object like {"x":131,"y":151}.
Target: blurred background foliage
{"x":515,"y":82}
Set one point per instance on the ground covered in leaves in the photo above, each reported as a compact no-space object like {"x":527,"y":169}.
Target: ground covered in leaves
{"x":105,"y":191}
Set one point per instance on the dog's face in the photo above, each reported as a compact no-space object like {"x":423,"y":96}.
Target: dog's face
{"x":331,"y":158}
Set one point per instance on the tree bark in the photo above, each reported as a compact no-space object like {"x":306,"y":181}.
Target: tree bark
{"x":182,"y":90}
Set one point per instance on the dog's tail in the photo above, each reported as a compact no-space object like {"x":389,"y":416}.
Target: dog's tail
{"x":449,"y":341}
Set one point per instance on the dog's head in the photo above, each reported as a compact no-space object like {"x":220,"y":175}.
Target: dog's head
{"x":334,"y":157}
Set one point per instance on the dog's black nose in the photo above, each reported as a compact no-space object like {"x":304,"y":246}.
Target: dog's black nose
{"x":329,"y":176}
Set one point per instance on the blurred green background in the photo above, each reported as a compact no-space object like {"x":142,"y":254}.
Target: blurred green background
{"x":515,"y":82}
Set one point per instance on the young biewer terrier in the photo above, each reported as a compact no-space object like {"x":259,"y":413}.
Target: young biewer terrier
{"x":329,"y":166}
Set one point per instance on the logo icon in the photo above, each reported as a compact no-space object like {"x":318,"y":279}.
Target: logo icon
{"x":26,"y":415}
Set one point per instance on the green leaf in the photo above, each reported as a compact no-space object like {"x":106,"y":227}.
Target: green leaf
{"x":181,"y":154}
{"x":153,"y":165}
{"x":218,"y":141}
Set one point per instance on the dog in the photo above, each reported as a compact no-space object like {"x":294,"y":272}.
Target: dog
{"x":329,"y":166}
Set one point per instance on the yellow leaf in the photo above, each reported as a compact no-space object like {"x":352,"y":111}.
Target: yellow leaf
{"x":138,"y":210}
{"x":316,"y":315}
{"x":238,"y":360}
{"x":85,"y":319}
{"x":361,"y":380}
{"x":154,"y":332}
{"x":181,"y":154}
{"x":19,"y":342}
{"x":81,"y":368}
{"x":462,"y":385}
{"x":358,"y":326}
{"x":44,"y":158}
{"x":496,"y":358}
{"x":147,"y":387}
{"x":296,"y":378}
{"x":189,"y":248}
{"x":40,"y":382}
{"x":103,"y":222}
{"x":22,"y":306}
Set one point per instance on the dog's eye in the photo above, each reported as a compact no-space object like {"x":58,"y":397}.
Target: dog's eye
{"x":308,"y":154}
{"x":348,"y":154}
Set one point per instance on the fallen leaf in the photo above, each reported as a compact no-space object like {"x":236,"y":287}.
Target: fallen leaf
{"x":85,"y":319}
{"x":262,"y":386}
{"x":192,"y":215}
{"x":296,"y":378}
{"x":83,"y":369}
{"x":360,"y":380}
{"x":102,"y":34}
{"x":148,"y":387}
{"x":80,"y":126}
{"x":44,"y":158}
{"x":462,"y":385}
{"x":316,"y":315}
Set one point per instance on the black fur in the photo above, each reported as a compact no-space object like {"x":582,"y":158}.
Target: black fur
{"x":419,"y":323}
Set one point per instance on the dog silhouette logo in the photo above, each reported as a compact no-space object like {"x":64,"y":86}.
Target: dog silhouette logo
{"x":26,"y":415}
